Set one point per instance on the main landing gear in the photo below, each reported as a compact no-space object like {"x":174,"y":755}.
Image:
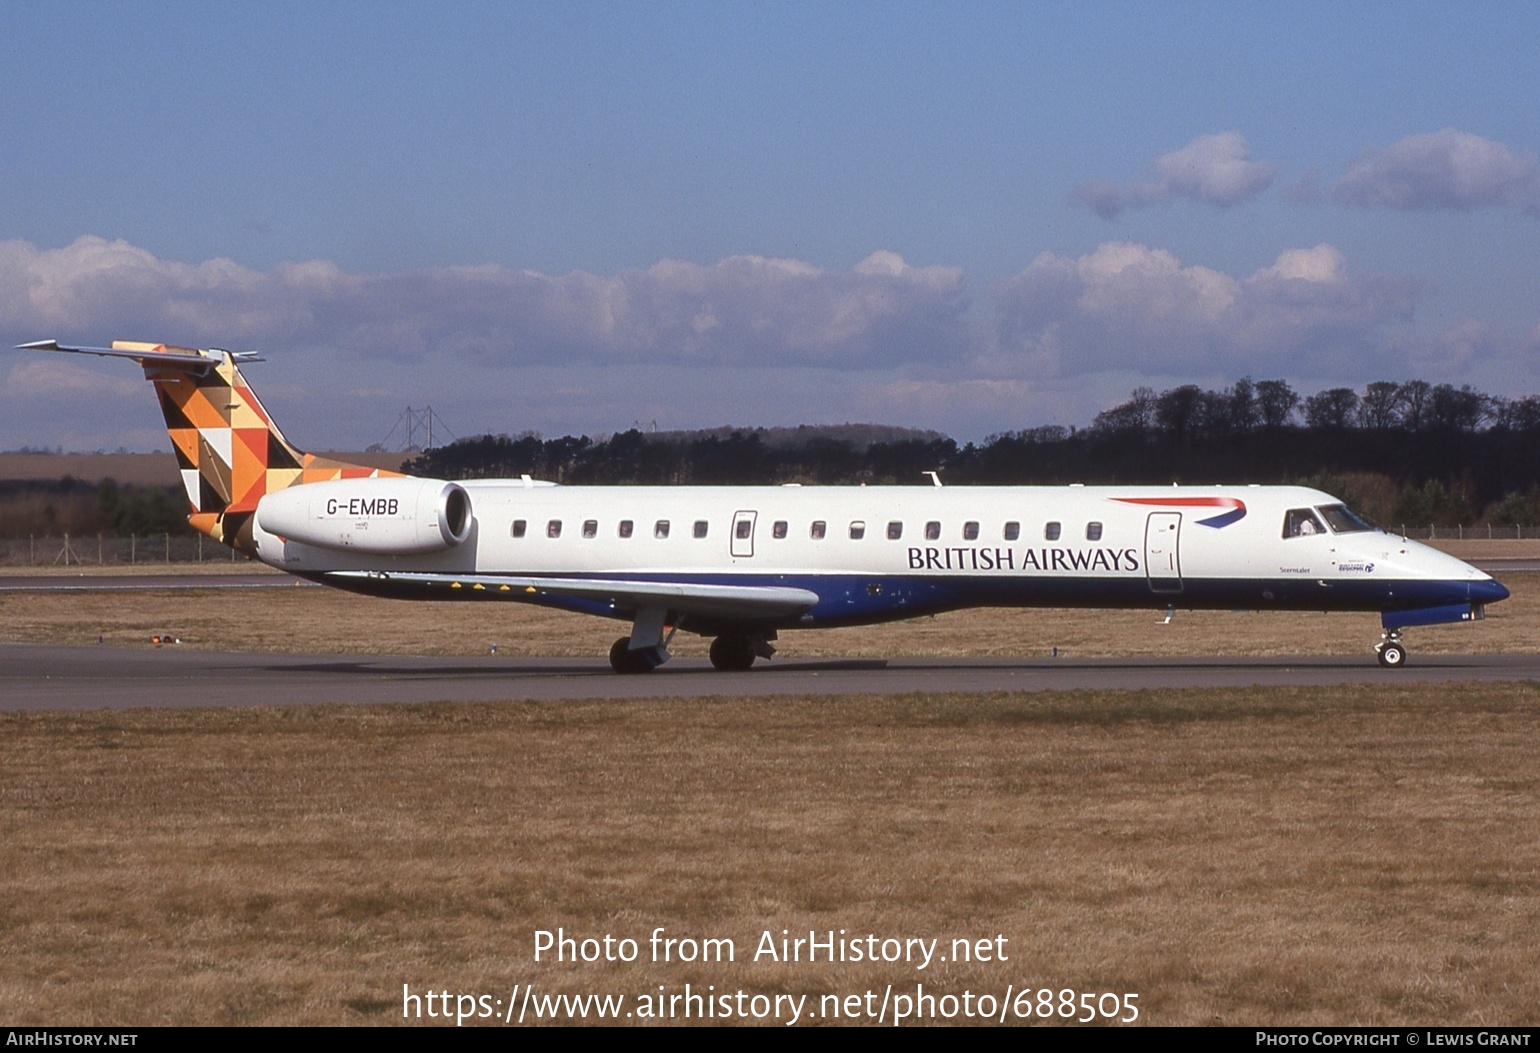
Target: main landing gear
{"x":732,"y":653}
{"x":623,"y":659}
{"x":1390,"y":650}
{"x":647,"y":646}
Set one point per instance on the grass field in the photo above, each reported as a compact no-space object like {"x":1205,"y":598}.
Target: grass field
{"x":1307,"y":856}
{"x":1346,"y":856}
{"x":324,"y":621}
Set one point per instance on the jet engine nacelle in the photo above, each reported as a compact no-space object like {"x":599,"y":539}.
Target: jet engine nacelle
{"x":389,"y":517}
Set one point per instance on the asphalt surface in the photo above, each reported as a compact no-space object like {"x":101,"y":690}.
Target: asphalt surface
{"x":119,"y":582}
{"x":42,"y":677}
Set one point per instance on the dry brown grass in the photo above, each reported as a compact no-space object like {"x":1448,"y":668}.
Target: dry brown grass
{"x":325,"y":621}
{"x":1350,"y":856}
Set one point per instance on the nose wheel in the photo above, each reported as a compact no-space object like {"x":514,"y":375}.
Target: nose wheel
{"x":1391,"y":651}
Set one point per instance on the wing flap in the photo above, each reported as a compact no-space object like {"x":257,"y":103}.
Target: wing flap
{"x":679,"y":597}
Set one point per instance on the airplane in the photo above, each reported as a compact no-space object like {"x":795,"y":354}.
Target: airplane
{"x":739,"y":564}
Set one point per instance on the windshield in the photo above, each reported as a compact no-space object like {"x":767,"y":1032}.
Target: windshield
{"x":1344,"y":520}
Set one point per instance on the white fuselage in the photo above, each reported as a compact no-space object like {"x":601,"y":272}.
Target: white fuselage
{"x":882,"y":552}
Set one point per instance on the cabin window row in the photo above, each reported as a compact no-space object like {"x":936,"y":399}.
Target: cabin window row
{"x":819,"y":529}
{"x":625,"y":528}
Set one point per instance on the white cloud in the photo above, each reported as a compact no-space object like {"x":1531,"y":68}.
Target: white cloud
{"x":1469,"y":341}
{"x":741,"y":310}
{"x":47,"y":377}
{"x":1448,"y":169}
{"x":1129,"y":306}
{"x":748,"y":339}
{"x":1216,"y":169}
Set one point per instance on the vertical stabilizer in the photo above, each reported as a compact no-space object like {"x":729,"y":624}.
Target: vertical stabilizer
{"x":228,"y":449}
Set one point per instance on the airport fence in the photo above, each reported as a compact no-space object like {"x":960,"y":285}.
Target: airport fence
{"x":113,"y":550}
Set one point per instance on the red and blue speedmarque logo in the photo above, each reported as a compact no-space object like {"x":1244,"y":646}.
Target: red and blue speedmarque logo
{"x":1236,"y":508}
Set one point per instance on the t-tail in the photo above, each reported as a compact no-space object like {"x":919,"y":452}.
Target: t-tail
{"x":230,"y":452}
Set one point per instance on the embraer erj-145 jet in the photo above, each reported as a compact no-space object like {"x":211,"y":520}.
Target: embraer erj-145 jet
{"x":739,"y":564}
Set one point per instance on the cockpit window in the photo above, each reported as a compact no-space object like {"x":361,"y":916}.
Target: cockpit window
{"x":1343,"y":520}
{"x":1301,"y":522}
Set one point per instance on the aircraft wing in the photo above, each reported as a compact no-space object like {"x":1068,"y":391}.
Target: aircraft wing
{"x":749,"y":602}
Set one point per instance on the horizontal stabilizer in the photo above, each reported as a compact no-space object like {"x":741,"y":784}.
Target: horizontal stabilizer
{"x":146,"y":353}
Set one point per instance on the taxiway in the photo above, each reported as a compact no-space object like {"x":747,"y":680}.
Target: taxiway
{"x":46,"y":677}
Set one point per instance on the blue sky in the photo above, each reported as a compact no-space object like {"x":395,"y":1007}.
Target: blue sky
{"x":571,"y":217}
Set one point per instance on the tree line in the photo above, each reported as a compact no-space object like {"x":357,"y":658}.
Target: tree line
{"x":1413,"y":452}
{"x":1402,"y":453}
{"x":51,"y":507}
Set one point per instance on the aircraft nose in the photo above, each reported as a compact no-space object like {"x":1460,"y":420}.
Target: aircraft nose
{"x":1488,"y":591}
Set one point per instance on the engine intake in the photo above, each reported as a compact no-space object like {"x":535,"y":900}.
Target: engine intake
{"x":392,"y":517}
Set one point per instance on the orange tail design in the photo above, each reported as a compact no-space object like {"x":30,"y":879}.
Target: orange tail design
{"x":228,"y":449}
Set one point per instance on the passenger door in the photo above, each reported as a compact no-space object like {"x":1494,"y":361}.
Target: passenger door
{"x":1162,"y":557}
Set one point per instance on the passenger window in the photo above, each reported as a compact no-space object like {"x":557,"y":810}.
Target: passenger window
{"x":590,"y":528}
{"x":1012,"y":531}
{"x":700,"y":528}
{"x":970,"y":531}
{"x":660,"y":528}
{"x":932,"y":530}
{"x":743,"y":529}
{"x":518,"y":528}
{"x":1051,"y":532}
{"x":857,"y":530}
{"x":553,"y":528}
{"x":1093,"y":531}
{"x":818,"y":530}
{"x":895,"y":531}
{"x":1301,"y":522}
{"x":779,"y":530}
{"x":625,"y":529}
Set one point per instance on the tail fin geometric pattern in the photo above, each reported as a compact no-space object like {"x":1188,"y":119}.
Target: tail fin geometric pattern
{"x":230,"y":452}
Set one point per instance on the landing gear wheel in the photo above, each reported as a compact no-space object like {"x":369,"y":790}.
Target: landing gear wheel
{"x":1392,"y":654}
{"x":732,"y":654}
{"x":624,"y":660}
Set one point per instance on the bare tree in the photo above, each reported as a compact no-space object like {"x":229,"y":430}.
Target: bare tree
{"x":1415,"y":395}
{"x":1380,"y":407}
{"x":1276,"y":402}
{"x":1332,"y":408}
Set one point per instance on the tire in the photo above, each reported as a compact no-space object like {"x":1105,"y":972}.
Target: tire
{"x":732,"y":654}
{"x":1392,"y":655}
{"x":625,"y":661}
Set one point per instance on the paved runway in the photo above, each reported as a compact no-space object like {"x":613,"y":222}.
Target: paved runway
{"x":73,"y":678}
{"x":117,"y":582}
